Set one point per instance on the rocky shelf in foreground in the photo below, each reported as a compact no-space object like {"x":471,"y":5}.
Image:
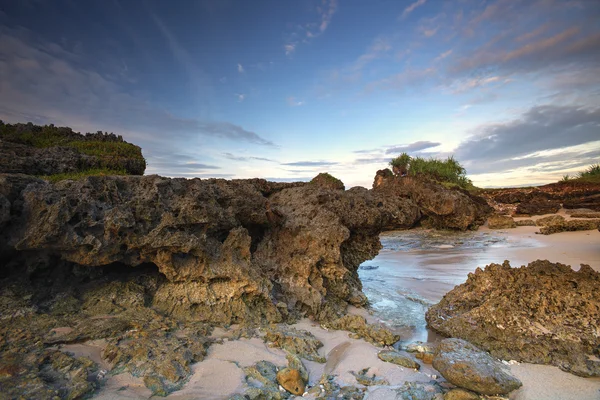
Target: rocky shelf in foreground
{"x":543,"y":313}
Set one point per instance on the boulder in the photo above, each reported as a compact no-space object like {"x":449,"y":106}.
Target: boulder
{"x":394,"y":357}
{"x":327,"y":181}
{"x":466,"y":366}
{"x":501,"y":222}
{"x":538,"y":206}
{"x":545,"y":313}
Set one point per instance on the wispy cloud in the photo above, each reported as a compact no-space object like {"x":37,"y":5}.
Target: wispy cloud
{"x":412,"y":7}
{"x":240,"y":68}
{"x":240,"y":97}
{"x":233,"y":157}
{"x":544,"y":128}
{"x":292,"y":101}
{"x":290,"y":48}
{"x":412,"y":147}
{"x":310,"y":163}
{"x":304,"y":33}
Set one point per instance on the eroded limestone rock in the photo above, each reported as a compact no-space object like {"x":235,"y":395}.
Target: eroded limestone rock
{"x":545,"y":313}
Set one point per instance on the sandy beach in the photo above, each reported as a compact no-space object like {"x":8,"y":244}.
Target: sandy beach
{"x":220,"y":375}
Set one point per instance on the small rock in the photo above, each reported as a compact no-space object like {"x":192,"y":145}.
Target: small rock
{"x":460,"y":394}
{"x":394,"y":357}
{"x":427,"y":358}
{"x":466,"y":366}
{"x":364,"y":379}
{"x":291,"y":380}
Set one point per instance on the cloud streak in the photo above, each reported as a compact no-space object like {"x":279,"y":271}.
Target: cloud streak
{"x":412,"y":8}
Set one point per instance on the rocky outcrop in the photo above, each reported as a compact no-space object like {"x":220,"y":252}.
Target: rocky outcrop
{"x":466,"y":366}
{"x":544,"y":313}
{"x":227,"y":252}
{"x":18,"y":158}
{"x":327,"y":181}
{"x":570,"y":226}
{"x":545,"y":199}
{"x":436,"y":206}
{"x":538,"y":206}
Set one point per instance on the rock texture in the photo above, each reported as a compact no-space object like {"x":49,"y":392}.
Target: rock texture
{"x":227,"y":251}
{"x":466,"y":366}
{"x":544,"y":313}
{"x":436,"y":206}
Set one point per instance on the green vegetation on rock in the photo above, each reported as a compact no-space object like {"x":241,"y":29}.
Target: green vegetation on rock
{"x":83,"y":174}
{"x":448,"y":172}
{"x":72,"y":151}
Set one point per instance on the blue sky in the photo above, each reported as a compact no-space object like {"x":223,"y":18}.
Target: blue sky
{"x":284,"y":90}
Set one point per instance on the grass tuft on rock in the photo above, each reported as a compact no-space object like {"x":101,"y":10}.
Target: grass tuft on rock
{"x":74,"y":176}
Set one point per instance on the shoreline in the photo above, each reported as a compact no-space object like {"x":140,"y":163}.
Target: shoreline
{"x":220,"y":375}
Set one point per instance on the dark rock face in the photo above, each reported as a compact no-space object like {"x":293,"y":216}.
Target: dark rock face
{"x":538,"y":206}
{"x":544,"y":313}
{"x":16,"y":158}
{"x":433,"y":204}
{"x":466,"y":366}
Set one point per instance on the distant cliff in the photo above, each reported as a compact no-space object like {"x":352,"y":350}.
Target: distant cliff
{"x":51,"y":151}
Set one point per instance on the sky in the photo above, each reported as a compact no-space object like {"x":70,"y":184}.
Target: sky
{"x":286,"y":89}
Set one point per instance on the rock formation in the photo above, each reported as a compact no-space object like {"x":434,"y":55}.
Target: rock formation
{"x":544,"y":313}
{"x":430,"y":203}
{"x":49,"y":150}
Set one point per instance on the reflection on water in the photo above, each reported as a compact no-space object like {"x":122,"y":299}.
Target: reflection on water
{"x":416,"y":268}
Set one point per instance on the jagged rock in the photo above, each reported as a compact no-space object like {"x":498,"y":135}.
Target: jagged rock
{"x":590,"y":200}
{"x":51,"y":374}
{"x":544,"y":313}
{"x":397,"y":358}
{"x":291,"y":380}
{"x":299,"y":342}
{"x":376,"y":334}
{"x":460,"y":394}
{"x":442,"y":208}
{"x":229,"y":253}
{"x":501,"y":222}
{"x":550,"y":220}
{"x":570,"y":226}
{"x":328,"y":181}
{"x":538,"y":206}
{"x":364,"y":379}
{"x":466,"y":366}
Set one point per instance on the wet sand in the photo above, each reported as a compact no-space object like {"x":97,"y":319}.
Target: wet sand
{"x":422,"y":276}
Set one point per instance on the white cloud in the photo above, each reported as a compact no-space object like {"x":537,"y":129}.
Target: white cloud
{"x":240,"y":68}
{"x":412,"y":7}
{"x":289,"y":48}
{"x":240,"y":96}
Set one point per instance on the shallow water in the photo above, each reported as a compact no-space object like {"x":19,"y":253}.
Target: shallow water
{"x":416,"y":268}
